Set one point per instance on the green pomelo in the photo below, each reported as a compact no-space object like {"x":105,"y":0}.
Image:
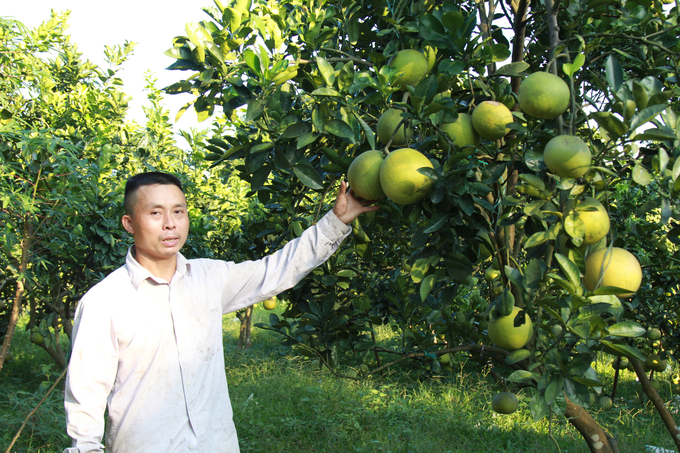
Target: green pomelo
{"x":504,"y":403}
{"x":543,"y":95}
{"x":399,"y":176}
{"x":490,"y":118}
{"x":567,"y":156}
{"x":617,"y":268}
{"x":388,"y":122}
{"x":595,"y":218}
{"x":364,"y":175}
{"x":460,"y":132}
{"x":412,"y":67}
{"x":511,"y":332}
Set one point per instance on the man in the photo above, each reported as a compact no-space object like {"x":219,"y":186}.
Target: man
{"x":147,"y":340}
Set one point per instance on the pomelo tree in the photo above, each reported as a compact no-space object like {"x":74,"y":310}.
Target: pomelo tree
{"x":305,"y":83}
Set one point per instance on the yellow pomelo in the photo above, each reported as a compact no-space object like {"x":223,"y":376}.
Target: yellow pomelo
{"x":388,"y":122}
{"x":504,"y":403}
{"x":460,"y":132}
{"x":399,"y":176}
{"x":270,"y":303}
{"x":617,"y":267}
{"x":364,"y":175}
{"x":490,"y":118}
{"x":595,"y":218}
{"x":567,"y":156}
{"x":511,"y":332}
{"x":412,"y":67}
{"x":543,"y":95}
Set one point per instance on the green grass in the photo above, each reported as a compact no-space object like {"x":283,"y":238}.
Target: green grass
{"x":284,"y":403}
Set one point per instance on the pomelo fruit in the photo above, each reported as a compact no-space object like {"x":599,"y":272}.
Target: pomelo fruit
{"x":504,"y":403}
{"x":595,"y":218}
{"x":399,"y":176}
{"x":489,"y":119}
{"x":364,"y":175}
{"x":617,"y":267}
{"x":460,"y":132}
{"x":654,"y":334}
{"x":388,"y":122}
{"x":412,"y":67}
{"x":270,"y":303}
{"x":543,"y":95}
{"x":567,"y":156}
{"x":606,"y":402}
{"x":511,"y":332}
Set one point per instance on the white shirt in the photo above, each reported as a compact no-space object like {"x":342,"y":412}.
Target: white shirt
{"x":151,"y":351}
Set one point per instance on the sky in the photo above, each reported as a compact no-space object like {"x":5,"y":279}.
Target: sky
{"x":151,"y":24}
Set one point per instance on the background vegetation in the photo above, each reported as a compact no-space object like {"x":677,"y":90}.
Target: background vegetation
{"x":293,"y":91}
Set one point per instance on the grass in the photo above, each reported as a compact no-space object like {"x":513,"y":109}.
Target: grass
{"x":285,"y":403}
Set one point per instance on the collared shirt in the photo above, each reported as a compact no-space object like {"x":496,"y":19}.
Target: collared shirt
{"x":151,"y":351}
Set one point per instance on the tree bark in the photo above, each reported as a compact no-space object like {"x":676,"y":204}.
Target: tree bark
{"x":654,"y":397}
{"x":598,"y":441}
{"x":246,"y":324}
{"x":16,"y":308}
{"x":520,"y":9}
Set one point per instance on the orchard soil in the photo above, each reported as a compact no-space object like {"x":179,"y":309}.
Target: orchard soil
{"x":284,"y":403}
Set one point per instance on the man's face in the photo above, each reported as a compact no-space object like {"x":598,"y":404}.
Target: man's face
{"x":159,"y":223}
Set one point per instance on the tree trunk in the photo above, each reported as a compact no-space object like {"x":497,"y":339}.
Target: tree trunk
{"x":16,"y":308}
{"x":654,"y":397}
{"x":520,"y":9}
{"x":598,"y":441}
{"x":246,"y":323}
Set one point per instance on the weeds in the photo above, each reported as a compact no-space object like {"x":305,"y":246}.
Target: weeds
{"x":285,"y":403}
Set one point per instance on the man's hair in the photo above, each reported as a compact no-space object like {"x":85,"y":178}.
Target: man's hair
{"x":146,"y":179}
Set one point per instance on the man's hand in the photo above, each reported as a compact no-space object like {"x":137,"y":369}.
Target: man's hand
{"x":347,"y":206}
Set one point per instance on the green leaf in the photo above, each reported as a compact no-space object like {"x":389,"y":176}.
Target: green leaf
{"x":521,"y":376}
{"x":627,"y":329}
{"x":513,"y":69}
{"x":326,"y":70}
{"x":676,"y":169}
{"x":624,"y":349}
{"x":197,"y":34}
{"x":429,"y":172}
{"x":569,"y":269}
{"x":517,"y":356}
{"x":255,"y":109}
{"x":606,"y":120}
{"x":296,"y":130}
{"x":645,"y":115}
{"x":572,"y":68}
{"x":370,"y":136}
{"x":641,"y":175}
{"x":253,"y":62}
{"x":325,"y":91}
{"x":614,"y":73}
{"x":656,"y":134}
{"x":426,"y":286}
{"x":539,"y":407}
{"x":554,"y":389}
{"x":535,"y":239}
{"x":308,"y":176}
{"x":436,"y":222}
{"x":340,"y":129}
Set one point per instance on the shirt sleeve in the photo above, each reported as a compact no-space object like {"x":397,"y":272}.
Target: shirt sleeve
{"x":250,"y":282}
{"x":90,"y":377}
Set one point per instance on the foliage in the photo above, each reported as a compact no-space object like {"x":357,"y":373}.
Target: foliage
{"x":305,"y":83}
{"x":66,"y":153}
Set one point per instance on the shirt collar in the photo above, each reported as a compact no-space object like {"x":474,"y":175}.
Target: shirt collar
{"x":138,"y":273}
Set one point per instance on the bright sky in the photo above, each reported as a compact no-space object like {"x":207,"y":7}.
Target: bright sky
{"x":151,"y":24}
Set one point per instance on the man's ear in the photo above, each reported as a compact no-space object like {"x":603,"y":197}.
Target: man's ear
{"x":127,"y":224}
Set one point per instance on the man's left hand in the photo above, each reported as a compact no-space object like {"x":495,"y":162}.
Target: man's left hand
{"x":347,"y":206}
